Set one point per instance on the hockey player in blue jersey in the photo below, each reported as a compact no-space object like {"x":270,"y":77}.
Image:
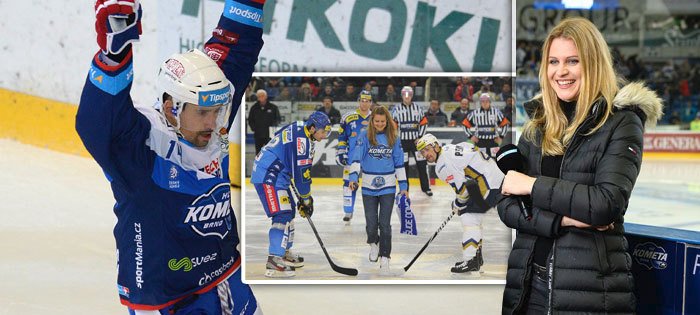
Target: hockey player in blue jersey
{"x":287,"y":157}
{"x":351,"y":126}
{"x":379,"y":157}
{"x":176,"y":233}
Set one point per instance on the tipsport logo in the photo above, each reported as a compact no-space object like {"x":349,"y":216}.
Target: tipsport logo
{"x":650,"y":255}
{"x":244,"y":14}
{"x":216,"y":97}
{"x":210,"y":213}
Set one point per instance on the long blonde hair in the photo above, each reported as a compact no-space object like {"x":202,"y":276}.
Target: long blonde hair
{"x":598,"y":80}
{"x":389,"y":130}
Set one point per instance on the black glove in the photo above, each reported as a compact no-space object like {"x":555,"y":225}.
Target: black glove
{"x":306,"y":207}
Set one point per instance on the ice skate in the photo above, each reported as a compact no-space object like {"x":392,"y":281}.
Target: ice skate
{"x":373,"y":252}
{"x":292,"y":259}
{"x":467,"y":266}
{"x":384,"y":269}
{"x":347,"y":217}
{"x":276,"y":268}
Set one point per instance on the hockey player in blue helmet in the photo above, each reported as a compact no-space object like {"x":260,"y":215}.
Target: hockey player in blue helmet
{"x":176,"y":230}
{"x":287,"y":157}
{"x":351,"y":126}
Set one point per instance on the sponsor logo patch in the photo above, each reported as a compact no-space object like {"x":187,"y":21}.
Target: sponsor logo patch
{"x":380,"y":152}
{"x":378,"y":182}
{"x":286,"y":136}
{"x":187,"y":264}
{"x":217,"y":52}
{"x":124,"y":291}
{"x":225,"y":36}
{"x":210,"y":213}
{"x":216,"y":97}
{"x":301,"y":146}
{"x":175,"y":67}
{"x":244,"y":14}
{"x":650,"y":255}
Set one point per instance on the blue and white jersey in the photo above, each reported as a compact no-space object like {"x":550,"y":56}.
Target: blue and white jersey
{"x":176,"y":233}
{"x":288,"y":156}
{"x":381,"y":166}
{"x":351,"y":126}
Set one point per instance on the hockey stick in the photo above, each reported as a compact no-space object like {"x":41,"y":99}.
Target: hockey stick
{"x":336,"y":268}
{"x":444,"y":223}
{"x":479,"y":201}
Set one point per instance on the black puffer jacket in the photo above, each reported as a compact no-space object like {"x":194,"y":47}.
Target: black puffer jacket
{"x":591,"y":269}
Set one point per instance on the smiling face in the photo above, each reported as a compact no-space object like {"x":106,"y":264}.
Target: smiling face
{"x":379,"y":122}
{"x":564,"y":70}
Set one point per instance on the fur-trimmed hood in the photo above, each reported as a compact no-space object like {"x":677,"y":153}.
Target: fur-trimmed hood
{"x":634,"y":96}
{"x":637,"y":95}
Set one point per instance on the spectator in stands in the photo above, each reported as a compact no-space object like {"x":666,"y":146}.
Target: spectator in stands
{"x":460,"y":113}
{"x":350,"y":93}
{"x":508,"y":110}
{"x":304,"y":93}
{"x":272,"y":87}
{"x":485,"y":90}
{"x":675,"y":118}
{"x":520,"y":53}
{"x":465,"y":89}
{"x":337,"y":87}
{"x":505,"y":92}
{"x":368,"y":87}
{"x":285,"y":95}
{"x":330,"y":110}
{"x":695,"y":124}
{"x":390,"y":94}
{"x":261,"y":117}
{"x":436,"y":117}
{"x":327,"y":92}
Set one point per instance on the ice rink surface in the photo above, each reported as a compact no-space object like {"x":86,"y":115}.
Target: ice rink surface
{"x":347,"y":243}
{"x":58,"y":253}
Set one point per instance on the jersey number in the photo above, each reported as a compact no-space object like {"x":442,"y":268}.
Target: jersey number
{"x":172,"y":148}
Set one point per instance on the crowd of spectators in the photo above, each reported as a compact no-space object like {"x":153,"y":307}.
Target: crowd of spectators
{"x":385,"y":91}
{"x":676,"y":81}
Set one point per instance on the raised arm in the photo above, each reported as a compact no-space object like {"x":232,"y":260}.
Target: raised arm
{"x":235,"y":44}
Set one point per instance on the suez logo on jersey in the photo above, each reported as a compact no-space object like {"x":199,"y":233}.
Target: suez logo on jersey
{"x":216,"y":97}
{"x":187,"y":264}
{"x":210,"y":213}
{"x":650,"y":255}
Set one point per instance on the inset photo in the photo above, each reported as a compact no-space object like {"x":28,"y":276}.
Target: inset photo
{"x":375,"y":179}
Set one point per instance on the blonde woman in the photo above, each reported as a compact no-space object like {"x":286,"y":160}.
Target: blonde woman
{"x":379,"y":156}
{"x":583,"y":147}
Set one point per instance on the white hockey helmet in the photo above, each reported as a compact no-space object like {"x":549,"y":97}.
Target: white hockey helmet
{"x":407,"y":91}
{"x":426,"y":140}
{"x":193,"y":77}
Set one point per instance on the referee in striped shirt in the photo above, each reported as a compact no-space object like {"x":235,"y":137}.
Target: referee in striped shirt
{"x":486,"y":126}
{"x":412,"y":122}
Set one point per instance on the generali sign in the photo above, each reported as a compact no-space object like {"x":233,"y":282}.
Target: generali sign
{"x":672,"y":142}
